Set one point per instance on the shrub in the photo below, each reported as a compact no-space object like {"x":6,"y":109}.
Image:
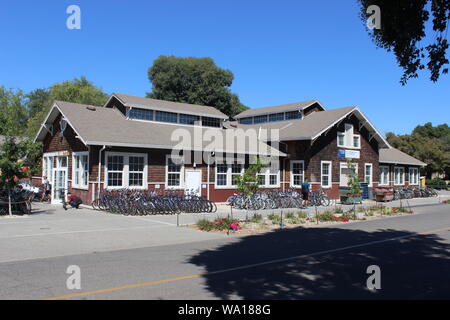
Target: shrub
{"x":348,"y":215}
{"x":436,"y":183}
{"x":338,"y":210}
{"x":326,"y":216}
{"x":205,"y":225}
{"x":302,"y":214}
{"x":257,"y":218}
{"x":276,"y":219}
{"x":295,"y":220}
{"x":290,"y":215}
{"x":446,"y":201}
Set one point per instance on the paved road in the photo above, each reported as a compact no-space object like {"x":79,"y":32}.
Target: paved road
{"x":329,"y":262}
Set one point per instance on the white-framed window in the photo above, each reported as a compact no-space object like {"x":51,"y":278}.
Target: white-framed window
{"x":399,"y":176}
{"x":356,"y":141}
{"x":174,"y":173}
{"x":47,"y":167}
{"x":326,"y":178}
{"x":384,"y":176}
{"x":126,"y":170}
{"x":348,"y":139}
{"x":297,"y":173}
{"x":368,"y":174}
{"x":80,"y":170}
{"x":269,"y":177}
{"x":226,"y":175}
{"x":413,"y":176}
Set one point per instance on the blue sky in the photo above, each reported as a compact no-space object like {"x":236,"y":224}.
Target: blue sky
{"x":279,"y":51}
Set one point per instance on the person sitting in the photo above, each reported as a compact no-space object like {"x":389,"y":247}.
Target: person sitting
{"x":74,"y":201}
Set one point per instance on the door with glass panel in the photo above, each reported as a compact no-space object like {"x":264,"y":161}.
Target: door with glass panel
{"x":59,"y":176}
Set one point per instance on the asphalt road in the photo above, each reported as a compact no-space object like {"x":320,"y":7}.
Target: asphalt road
{"x":413,"y":253}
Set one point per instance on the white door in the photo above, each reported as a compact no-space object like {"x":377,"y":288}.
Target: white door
{"x":59,"y":186}
{"x":343,"y":181}
{"x":193,"y":181}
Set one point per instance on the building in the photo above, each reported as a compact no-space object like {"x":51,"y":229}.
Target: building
{"x":131,"y":142}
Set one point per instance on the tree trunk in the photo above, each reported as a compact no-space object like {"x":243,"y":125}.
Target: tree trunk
{"x":9,"y":201}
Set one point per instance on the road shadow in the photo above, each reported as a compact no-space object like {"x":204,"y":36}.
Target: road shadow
{"x":413,"y":267}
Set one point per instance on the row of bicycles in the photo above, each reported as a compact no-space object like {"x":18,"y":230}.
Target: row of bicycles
{"x":20,"y":201}
{"x":277,"y":199}
{"x":410,"y":193}
{"x":146,"y":202}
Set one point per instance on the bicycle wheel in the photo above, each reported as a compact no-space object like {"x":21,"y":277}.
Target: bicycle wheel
{"x":325,"y":201}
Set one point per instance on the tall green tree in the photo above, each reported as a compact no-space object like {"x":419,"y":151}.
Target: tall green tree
{"x":404,"y":31}
{"x":194,"y":80}
{"x":13,"y":113}
{"x":11,"y":154}
{"x":77,"y":91}
{"x":428,"y":144}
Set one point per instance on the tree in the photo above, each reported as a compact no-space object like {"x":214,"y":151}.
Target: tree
{"x":428,"y":144}
{"x":403,"y":31}
{"x":11,"y":154}
{"x":195,"y":81}
{"x":13,"y":114}
{"x":76,"y":91}
{"x":248,"y":183}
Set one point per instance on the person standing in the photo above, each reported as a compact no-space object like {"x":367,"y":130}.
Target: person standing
{"x":306,"y":186}
{"x":47,"y":189}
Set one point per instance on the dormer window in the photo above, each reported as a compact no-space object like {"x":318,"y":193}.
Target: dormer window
{"x":348,"y":139}
{"x":188,"y":119}
{"x":140,"y":114}
{"x":293,"y":115}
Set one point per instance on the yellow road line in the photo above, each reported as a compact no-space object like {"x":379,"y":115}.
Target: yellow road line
{"x":198,"y":275}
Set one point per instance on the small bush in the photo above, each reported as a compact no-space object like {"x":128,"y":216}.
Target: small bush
{"x":290,"y":215}
{"x":338,"y":210}
{"x":326,"y":216}
{"x":276,"y":219}
{"x":436,"y":183}
{"x":302,"y":214}
{"x":205,"y":225}
{"x":257,"y":218}
{"x":296,"y":220}
{"x":348,"y":215}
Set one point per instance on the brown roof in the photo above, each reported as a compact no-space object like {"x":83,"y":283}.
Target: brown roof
{"x":395,"y":156}
{"x":162,"y":105}
{"x":277,"y":109}
{"x":107,"y":126}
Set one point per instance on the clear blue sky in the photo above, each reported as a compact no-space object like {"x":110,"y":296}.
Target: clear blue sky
{"x":279,"y":51}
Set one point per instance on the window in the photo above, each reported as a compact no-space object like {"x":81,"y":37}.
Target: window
{"x":188,"y":119}
{"x":413,"y":176}
{"x":47,"y":169}
{"x":357,"y":141}
{"x":326,"y":174}
{"x":221,"y":175}
{"x":260,"y":119}
{"x":297,"y":173}
{"x":384,"y":176}
{"x":135,"y":171}
{"x":268,"y":177}
{"x":399,"y":175}
{"x":80,"y":170}
{"x":166,"y":116}
{"x":236,"y":172}
{"x":125,"y":170}
{"x":174,"y":170}
{"x":347,"y":139}
{"x":248,"y":120}
{"x":368,"y":173}
{"x":293,"y":115}
{"x":276,"y":117}
{"x":211,"y":122}
{"x":226,"y":175}
{"x":141,"y":114}
{"x":61,"y":162}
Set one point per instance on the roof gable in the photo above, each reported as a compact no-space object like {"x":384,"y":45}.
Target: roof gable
{"x":278,"y":109}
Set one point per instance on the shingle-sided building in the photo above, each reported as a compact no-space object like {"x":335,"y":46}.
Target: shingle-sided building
{"x":141,"y":143}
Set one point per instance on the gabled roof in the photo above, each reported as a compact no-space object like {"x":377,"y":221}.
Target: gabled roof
{"x":395,"y":156}
{"x":107,"y":126}
{"x":169,"y":106}
{"x":278,"y":109}
{"x":315,"y":124}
